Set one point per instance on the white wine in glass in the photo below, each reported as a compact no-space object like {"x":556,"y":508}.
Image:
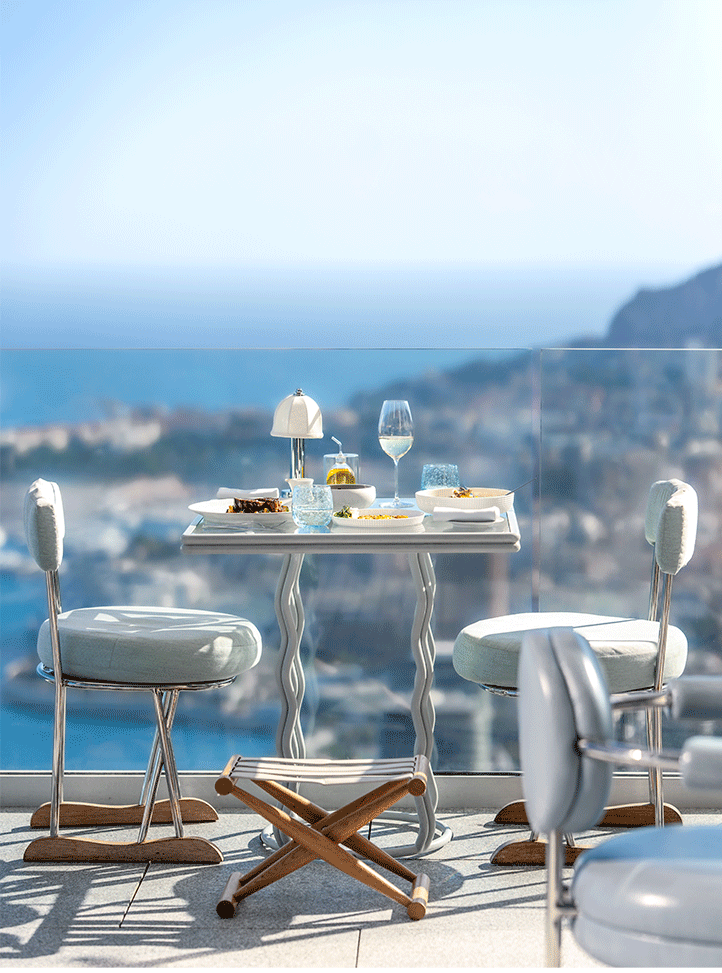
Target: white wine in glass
{"x":396,"y":436}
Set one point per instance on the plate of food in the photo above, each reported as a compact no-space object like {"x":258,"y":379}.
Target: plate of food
{"x":473,"y":498}
{"x":377,"y":518}
{"x":236,"y":511}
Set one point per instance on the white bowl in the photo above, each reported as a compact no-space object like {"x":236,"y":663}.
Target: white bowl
{"x":352,"y":495}
{"x":482,"y":498}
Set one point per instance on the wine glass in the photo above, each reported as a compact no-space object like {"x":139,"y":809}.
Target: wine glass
{"x":396,"y":434}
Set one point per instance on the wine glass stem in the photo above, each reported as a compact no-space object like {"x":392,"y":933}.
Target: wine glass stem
{"x":396,"y":481}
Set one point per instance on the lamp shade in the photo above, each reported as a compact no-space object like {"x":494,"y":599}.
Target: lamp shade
{"x":297,"y":417}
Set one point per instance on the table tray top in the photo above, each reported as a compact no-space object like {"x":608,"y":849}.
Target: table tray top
{"x":432,"y":536}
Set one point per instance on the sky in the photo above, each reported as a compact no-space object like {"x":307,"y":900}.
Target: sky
{"x":223,"y":133}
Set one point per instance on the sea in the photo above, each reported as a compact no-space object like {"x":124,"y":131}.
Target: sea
{"x":80,"y":344}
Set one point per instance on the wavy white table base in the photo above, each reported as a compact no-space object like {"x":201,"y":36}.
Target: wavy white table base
{"x":291,"y":681}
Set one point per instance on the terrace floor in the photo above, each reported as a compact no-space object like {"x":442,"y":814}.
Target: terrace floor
{"x":161,"y":915}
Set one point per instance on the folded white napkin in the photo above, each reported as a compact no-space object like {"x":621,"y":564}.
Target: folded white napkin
{"x":485,"y":516}
{"x":225,"y":493}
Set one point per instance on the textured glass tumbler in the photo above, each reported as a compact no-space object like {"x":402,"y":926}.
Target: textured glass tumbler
{"x":312,"y":506}
{"x":436,"y":475}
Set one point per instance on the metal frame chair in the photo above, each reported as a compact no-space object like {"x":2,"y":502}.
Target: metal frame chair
{"x":647,"y":897}
{"x":45,"y":529}
{"x":670,"y":528}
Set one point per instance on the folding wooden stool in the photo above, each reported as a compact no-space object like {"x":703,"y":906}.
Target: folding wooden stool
{"x":320,"y":833}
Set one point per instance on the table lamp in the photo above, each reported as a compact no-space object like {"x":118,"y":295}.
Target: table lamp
{"x":298,"y":418}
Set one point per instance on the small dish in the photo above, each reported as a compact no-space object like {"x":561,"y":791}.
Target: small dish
{"x":481,"y":498}
{"x":380,"y":519}
{"x":352,"y":495}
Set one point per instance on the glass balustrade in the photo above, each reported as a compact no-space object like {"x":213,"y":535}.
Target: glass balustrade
{"x":133,"y":437}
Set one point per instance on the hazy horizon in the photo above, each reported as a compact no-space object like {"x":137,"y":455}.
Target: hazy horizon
{"x":364,"y":305}
{"x":175,"y":170}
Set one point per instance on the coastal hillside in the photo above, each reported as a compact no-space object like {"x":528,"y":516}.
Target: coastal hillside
{"x":689,"y":313}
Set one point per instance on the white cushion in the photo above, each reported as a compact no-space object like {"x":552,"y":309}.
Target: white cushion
{"x":44,"y":524}
{"x":487,"y":652}
{"x":154,"y":646}
{"x":651,"y":897}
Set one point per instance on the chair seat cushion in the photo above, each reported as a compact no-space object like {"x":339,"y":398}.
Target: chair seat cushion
{"x":651,"y":897}
{"x":488,"y":651}
{"x":154,"y":646}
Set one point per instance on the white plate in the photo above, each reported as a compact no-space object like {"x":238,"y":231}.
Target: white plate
{"x":410,"y":518}
{"x":482,"y":497}
{"x":216,"y":512}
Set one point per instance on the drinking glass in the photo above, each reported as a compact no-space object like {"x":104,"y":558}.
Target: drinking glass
{"x":312,"y":506}
{"x":396,"y":435}
{"x":435,"y":475}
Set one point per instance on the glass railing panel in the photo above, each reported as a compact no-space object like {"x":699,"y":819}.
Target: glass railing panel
{"x":133,"y":437}
{"x":613,"y":422}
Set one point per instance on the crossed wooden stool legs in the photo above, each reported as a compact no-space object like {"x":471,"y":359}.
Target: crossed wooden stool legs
{"x":320,"y":833}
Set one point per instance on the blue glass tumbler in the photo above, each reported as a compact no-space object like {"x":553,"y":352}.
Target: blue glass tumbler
{"x":437,"y":475}
{"x":312,"y":506}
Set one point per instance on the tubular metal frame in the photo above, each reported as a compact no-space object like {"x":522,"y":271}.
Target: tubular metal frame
{"x":558,"y":900}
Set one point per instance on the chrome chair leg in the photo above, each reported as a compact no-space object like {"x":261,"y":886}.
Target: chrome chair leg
{"x":155,"y":763}
{"x":171,"y":771}
{"x":656,"y":785}
{"x":56,"y":797}
{"x":555,"y":852}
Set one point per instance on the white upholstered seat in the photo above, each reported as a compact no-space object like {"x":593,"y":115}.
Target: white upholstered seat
{"x":151,"y":646}
{"x":487,"y":652}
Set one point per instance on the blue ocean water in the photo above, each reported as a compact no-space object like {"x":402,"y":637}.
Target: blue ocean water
{"x":39,"y":386}
{"x":328,"y":306}
{"x":71,"y":336}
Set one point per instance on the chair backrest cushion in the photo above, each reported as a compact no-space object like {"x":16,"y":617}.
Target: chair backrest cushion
{"x":659,"y":494}
{"x":562,"y":698}
{"x":45,"y":524}
{"x":677,"y":530}
{"x":671,"y":523}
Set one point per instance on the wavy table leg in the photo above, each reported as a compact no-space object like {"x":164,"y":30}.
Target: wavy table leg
{"x":291,"y":681}
{"x":289,"y":674}
{"x":431,"y":833}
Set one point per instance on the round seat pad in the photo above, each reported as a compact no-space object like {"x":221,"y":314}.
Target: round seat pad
{"x":652,"y":888}
{"x":488,"y":651}
{"x":154,"y":646}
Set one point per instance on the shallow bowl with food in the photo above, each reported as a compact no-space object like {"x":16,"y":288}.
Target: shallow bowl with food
{"x":352,"y":495}
{"x":480,"y":499}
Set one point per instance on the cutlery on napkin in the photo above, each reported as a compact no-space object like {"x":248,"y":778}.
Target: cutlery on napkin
{"x":485,"y":516}
{"x":226,"y":493}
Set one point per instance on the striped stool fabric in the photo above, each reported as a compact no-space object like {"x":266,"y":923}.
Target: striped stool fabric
{"x":321,"y":833}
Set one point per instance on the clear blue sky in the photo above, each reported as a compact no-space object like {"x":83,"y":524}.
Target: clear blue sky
{"x":222,"y":132}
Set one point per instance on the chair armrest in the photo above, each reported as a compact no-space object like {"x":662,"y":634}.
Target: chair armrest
{"x":696,"y":697}
{"x":700,"y":763}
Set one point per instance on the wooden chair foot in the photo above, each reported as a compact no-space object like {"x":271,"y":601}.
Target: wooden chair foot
{"x":637,"y":816}
{"x":79,"y":815}
{"x":531,"y":852}
{"x":416,"y":909}
{"x":187,"y":850}
{"x":514,"y":813}
{"x":619,"y":816}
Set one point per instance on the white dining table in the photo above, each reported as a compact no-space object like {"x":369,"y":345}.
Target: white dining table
{"x":420,"y":544}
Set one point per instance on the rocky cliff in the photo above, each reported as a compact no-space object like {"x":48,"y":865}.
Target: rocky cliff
{"x":672,"y":317}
